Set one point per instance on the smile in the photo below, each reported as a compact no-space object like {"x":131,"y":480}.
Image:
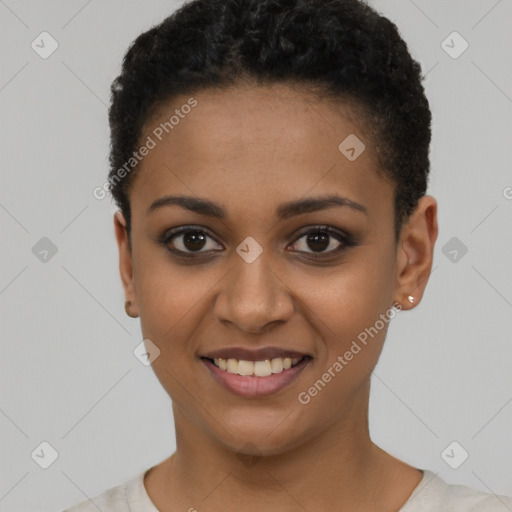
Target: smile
{"x":256,"y":378}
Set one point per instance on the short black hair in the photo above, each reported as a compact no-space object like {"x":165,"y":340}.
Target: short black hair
{"x":340,"y":49}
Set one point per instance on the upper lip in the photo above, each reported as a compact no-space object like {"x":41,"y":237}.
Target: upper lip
{"x":259,"y":354}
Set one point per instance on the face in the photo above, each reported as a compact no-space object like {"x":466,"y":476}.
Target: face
{"x":284,"y":243}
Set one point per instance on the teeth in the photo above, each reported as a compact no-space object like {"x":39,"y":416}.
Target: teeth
{"x":257,"y":368}
{"x":262,"y":368}
{"x":276,"y":365}
{"x":232,"y":366}
{"x":245,"y":368}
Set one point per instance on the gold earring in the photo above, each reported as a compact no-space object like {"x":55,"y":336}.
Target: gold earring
{"x":127,"y":304}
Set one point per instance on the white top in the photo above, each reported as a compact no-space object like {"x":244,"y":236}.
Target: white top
{"x":431,"y":495}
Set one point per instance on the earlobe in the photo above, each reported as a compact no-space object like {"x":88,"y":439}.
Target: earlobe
{"x":415,"y":255}
{"x":125,"y":262}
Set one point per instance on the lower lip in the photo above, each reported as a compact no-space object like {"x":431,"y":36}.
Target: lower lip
{"x":252,"y":386}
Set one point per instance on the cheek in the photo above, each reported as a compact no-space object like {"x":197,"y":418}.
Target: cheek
{"x":171,"y":304}
{"x":353,"y":345}
{"x":350,"y":298}
{"x":165,"y":291}
{"x":169,"y":307}
{"x":351,"y":311}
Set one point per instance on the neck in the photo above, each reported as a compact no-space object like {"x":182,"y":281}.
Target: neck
{"x":339,"y":469}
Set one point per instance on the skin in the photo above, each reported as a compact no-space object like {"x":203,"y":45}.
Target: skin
{"x":317,"y":456}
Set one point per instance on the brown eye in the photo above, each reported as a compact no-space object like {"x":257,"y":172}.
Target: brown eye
{"x":193,"y":240}
{"x":187,"y":241}
{"x":322,"y":241}
{"x":319,"y":241}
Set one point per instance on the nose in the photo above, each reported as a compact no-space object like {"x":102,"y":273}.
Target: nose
{"x":253,"y":297}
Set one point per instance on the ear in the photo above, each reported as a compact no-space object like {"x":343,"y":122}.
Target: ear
{"x":415,"y":252}
{"x":125,"y":262}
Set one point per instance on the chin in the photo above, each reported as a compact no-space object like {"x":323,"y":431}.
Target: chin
{"x":272,"y":435}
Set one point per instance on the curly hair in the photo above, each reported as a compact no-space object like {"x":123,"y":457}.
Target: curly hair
{"x":340,"y":49}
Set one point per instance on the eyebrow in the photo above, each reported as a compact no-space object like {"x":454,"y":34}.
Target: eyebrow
{"x":283,"y":211}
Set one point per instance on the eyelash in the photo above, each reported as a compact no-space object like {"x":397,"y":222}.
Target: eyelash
{"x":346,"y":240}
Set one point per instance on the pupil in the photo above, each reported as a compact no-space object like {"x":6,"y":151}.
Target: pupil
{"x":193,"y":240}
{"x":319,"y":240}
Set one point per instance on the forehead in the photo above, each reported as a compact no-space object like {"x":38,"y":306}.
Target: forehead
{"x":250,"y":148}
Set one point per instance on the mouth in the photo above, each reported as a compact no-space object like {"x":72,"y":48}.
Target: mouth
{"x":256,"y":377}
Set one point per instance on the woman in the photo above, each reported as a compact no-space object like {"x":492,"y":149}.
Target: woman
{"x":270,"y":161}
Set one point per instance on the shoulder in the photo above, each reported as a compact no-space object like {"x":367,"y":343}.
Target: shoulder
{"x":435,"y":495}
{"x":111,"y":500}
{"x":129,"y":496}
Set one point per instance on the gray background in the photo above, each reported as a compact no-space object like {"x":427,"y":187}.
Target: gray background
{"x":67,"y":372}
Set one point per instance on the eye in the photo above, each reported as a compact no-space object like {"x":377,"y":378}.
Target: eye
{"x":196,"y":242}
{"x":188,"y":241}
{"x":324,"y":241}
